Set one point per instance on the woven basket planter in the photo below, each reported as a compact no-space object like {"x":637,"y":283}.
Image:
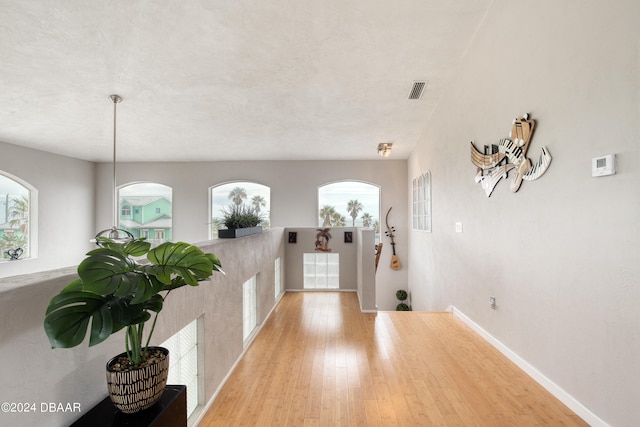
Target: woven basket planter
{"x":135,"y":390}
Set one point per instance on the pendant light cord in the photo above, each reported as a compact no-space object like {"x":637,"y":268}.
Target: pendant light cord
{"x":116,"y":99}
{"x":114,"y":233}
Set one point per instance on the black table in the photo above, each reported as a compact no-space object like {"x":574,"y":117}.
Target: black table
{"x":169,"y":411}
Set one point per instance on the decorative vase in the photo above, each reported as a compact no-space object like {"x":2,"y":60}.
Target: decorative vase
{"x":134,"y":390}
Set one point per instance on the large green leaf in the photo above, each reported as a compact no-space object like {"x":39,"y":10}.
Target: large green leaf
{"x":215,"y":261}
{"x":106,"y":271}
{"x":180,"y":259}
{"x":137,"y":247}
{"x":154,"y":303}
{"x":114,"y":291}
{"x":76,"y":285}
{"x":68,"y":315}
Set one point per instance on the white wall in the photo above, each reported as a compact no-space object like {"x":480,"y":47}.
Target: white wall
{"x":65,"y":206}
{"x":305,"y":243}
{"x":356,"y":260}
{"x":366,"y":266}
{"x":294,"y":200}
{"x":562,"y":255}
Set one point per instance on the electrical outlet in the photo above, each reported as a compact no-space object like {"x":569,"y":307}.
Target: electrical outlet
{"x":458,"y":227}
{"x":492,"y":302}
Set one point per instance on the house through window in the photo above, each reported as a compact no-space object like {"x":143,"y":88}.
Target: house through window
{"x":146,"y":211}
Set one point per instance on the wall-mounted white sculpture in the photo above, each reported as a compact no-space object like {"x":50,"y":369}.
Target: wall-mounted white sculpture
{"x":509,"y":154}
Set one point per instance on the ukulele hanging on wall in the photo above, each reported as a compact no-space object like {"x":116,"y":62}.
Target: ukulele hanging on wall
{"x":395,"y":262}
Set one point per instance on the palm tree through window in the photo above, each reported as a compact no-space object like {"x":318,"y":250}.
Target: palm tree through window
{"x":240,"y":194}
{"x":15,"y":218}
{"x":349,"y":203}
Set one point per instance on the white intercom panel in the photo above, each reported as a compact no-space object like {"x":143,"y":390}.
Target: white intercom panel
{"x":603,"y":166}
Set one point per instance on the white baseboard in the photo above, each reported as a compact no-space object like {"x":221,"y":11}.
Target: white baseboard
{"x":541,"y":379}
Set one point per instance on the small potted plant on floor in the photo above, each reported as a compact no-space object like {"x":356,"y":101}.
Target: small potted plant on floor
{"x":240,"y":220}
{"x":116,"y":292}
{"x":402,"y":295}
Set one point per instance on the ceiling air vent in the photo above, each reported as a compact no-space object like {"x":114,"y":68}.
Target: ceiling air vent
{"x":417,"y":89}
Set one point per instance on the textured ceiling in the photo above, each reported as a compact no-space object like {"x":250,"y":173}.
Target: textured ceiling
{"x":223,"y":80}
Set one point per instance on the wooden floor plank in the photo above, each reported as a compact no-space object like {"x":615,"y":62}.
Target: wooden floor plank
{"x":319,"y":361}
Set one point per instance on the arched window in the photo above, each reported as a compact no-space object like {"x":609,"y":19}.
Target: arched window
{"x":421,"y":189}
{"x":349,"y":204}
{"x":146,"y":211}
{"x":240,"y":194}
{"x":18,"y":202}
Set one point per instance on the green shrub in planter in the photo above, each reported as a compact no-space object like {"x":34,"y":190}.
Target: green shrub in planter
{"x":402,"y":307}
{"x":241,"y":216}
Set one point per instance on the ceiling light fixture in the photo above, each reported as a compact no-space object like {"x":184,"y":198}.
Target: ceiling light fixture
{"x":384,"y":149}
{"x":114,"y":233}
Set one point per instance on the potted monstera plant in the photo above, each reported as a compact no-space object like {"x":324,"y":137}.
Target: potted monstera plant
{"x":114,"y":291}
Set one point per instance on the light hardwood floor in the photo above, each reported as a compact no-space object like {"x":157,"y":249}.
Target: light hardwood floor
{"x":319,"y":361}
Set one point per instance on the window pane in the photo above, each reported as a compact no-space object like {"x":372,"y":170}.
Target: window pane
{"x":146,"y":211}
{"x":15,"y":219}
{"x":183,"y":357}
{"x":349,"y":204}
{"x":321,"y":271}
{"x":426,"y":195}
{"x":250,"y":307}
{"x":249,"y":194}
{"x":422,"y":202}
{"x":277,"y":277}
